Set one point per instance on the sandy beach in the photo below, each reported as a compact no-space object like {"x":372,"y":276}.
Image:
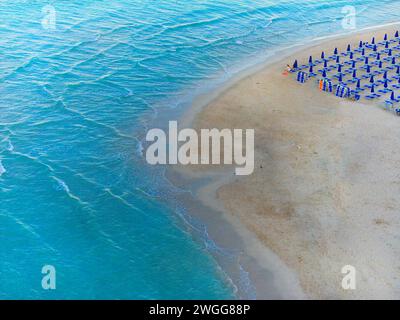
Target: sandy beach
{"x":324,"y":192}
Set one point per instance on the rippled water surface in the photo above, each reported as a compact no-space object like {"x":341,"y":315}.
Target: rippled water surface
{"x":75,"y":101}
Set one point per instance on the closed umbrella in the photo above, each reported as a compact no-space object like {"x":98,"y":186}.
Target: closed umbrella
{"x":372,"y":80}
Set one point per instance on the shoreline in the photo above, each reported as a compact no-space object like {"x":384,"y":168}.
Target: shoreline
{"x":284,"y":274}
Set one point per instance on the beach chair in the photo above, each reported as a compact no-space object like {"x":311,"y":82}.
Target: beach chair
{"x":392,"y":99}
{"x":385,"y":88}
{"x":342,"y":91}
{"x":397,"y":85}
{"x":302,"y":77}
{"x":372,"y":95}
{"x":326,"y":85}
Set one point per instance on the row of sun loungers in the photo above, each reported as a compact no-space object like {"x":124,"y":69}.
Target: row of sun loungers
{"x":370,"y":71}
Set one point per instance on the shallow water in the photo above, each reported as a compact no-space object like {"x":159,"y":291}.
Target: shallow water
{"x":75,"y":100}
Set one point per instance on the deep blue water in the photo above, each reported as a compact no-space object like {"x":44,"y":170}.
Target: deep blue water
{"x":75,"y":101}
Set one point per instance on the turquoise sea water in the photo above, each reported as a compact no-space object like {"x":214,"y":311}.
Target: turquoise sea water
{"x":75,"y":102}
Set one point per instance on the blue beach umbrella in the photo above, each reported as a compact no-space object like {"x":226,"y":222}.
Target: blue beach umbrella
{"x":390,"y":53}
{"x":335,"y":51}
{"x":393,"y":60}
{"x":366,"y":60}
{"x":325,"y":63}
{"x":324,"y":74}
{"x":322,"y":55}
{"x":360,"y":44}
{"x":368,"y":69}
{"x":351,"y":55}
{"x":380,"y":64}
{"x":385,"y":75}
{"x":398,"y":70}
{"x":363,"y":52}
{"x":372,"y":80}
{"x":353,"y":64}
{"x":373,"y":40}
{"x":396,"y":34}
{"x":387,"y":44}
{"x":354,"y":73}
{"x":348,"y":47}
{"x":392,"y":96}
{"x":310,"y":59}
{"x":340,"y":77}
{"x":339,"y":69}
{"x":358,"y":83}
{"x":337,"y":59}
{"x":311,"y":69}
{"x":378,"y":56}
{"x":373,"y":88}
{"x":385,"y":37}
{"x":295,"y":64}
{"x":385,"y":85}
{"x":375,"y":48}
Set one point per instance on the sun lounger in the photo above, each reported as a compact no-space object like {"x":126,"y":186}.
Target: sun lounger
{"x":372,"y":96}
{"x":386,"y":90}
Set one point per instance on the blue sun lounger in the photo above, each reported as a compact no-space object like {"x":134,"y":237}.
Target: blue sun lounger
{"x":385,"y":90}
{"x":396,"y":86}
{"x":372,"y":96}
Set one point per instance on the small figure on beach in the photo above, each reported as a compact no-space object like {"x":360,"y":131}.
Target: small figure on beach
{"x":287,"y":70}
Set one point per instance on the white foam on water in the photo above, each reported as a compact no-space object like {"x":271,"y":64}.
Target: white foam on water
{"x":2,"y":169}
